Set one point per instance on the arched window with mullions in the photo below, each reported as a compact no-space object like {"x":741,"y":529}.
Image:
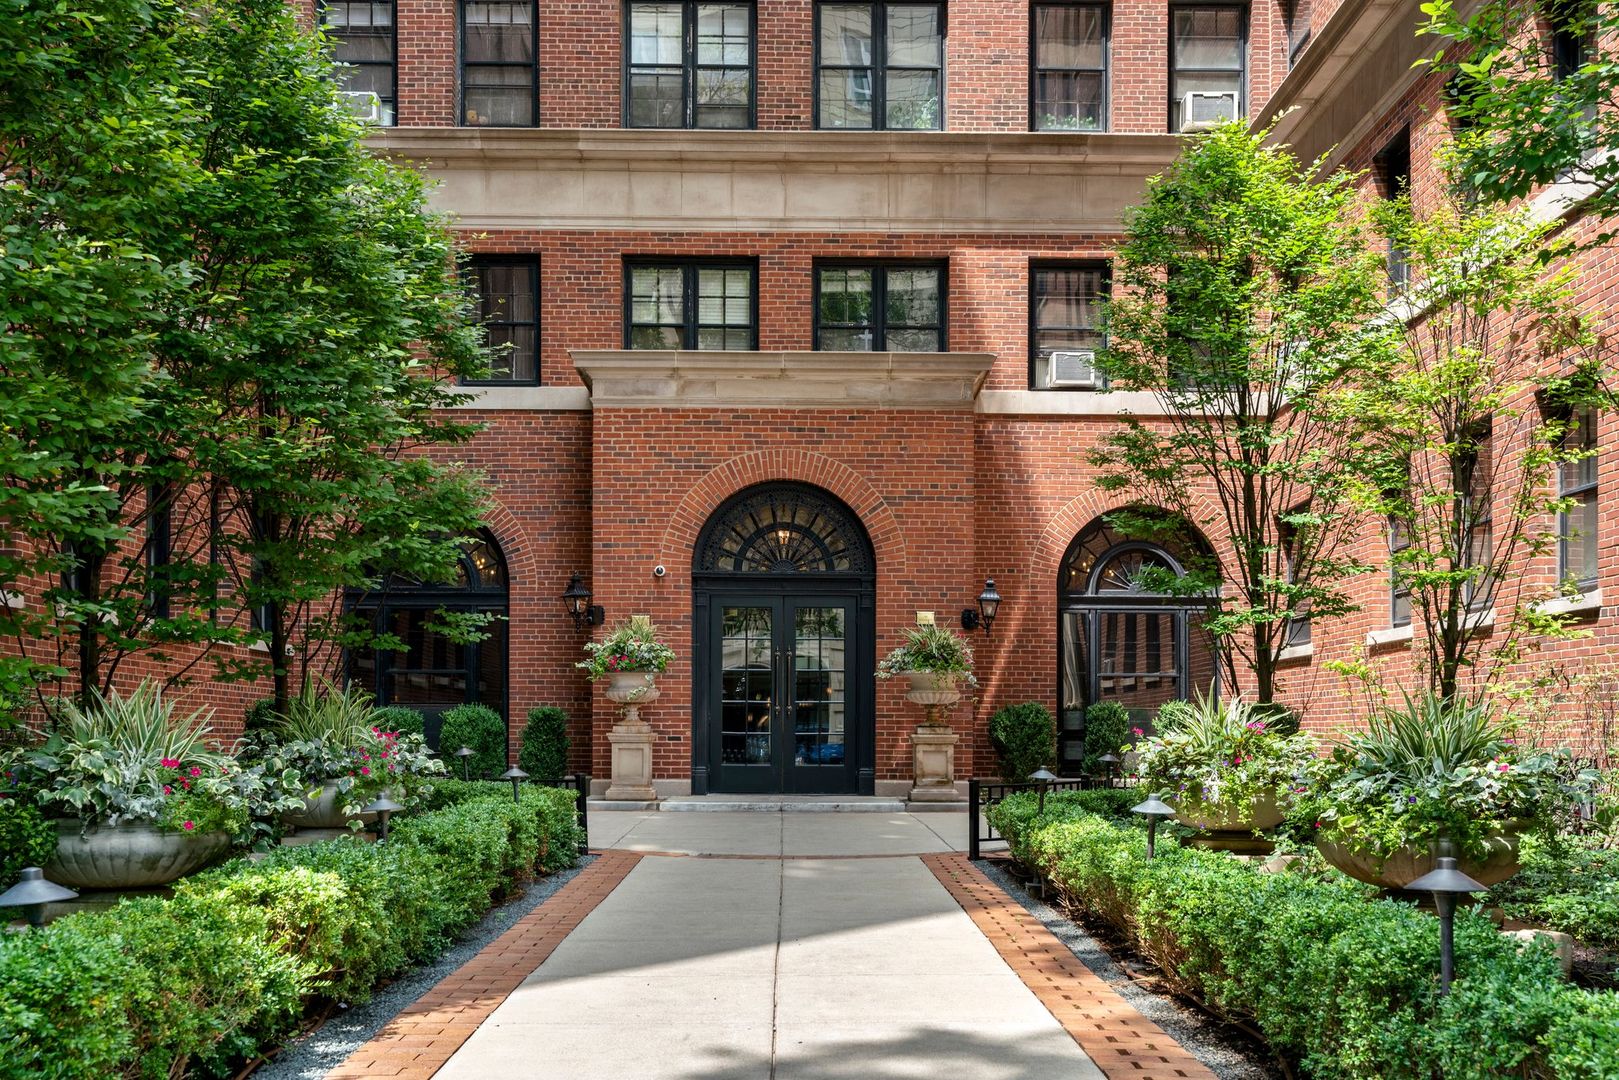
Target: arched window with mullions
{"x":1127,"y":632}
{"x":429,"y":671}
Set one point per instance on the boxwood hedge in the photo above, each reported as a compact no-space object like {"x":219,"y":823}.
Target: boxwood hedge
{"x":228,"y":966}
{"x":1340,"y":982}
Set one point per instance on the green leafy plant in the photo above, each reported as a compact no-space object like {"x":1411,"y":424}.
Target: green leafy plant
{"x":631,"y":646}
{"x":1436,"y":767}
{"x":482,"y":729}
{"x":544,"y":752}
{"x":1107,"y":729}
{"x":26,"y":838}
{"x":1218,"y":755}
{"x":1567,"y":883}
{"x":399,"y":718}
{"x":340,"y":717}
{"x":937,"y":650}
{"x":1025,"y":739}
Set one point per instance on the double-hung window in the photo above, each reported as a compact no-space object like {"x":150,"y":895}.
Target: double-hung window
{"x":1208,"y":64}
{"x":507,"y":292}
{"x":1069,"y":69}
{"x":1399,"y":585}
{"x":1065,"y":318}
{"x":880,"y":307}
{"x":364,"y":44}
{"x":1478,"y":465}
{"x":691,"y":304}
{"x":499,"y":69}
{"x":159,"y":547}
{"x":688,"y":65}
{"x":880,"y":65}
{"x":1577,"y":482}
{"x":1292,"y":538}
{"x":1394,"y":170}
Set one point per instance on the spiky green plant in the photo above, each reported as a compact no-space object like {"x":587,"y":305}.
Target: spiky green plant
{"x":340,"y":717}
{"x":1430,"y":736}
{"x":142,"y":724}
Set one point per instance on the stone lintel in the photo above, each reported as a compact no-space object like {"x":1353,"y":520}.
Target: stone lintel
{"x":786,"y":380}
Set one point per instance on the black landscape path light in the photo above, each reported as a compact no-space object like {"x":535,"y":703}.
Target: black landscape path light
{"x":1042,"y":776}
{"x":1108,"y":762}
{"x":1447,"y":884}
{"x":32,"y":892}
{"x":383,"y":807}
{"x":516,"y":776}
{"x":1153,"y":809}
{"x":464,"y":753}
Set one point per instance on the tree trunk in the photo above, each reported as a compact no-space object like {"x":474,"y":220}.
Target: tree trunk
{"x":279,"y":673}
{"x":89,"y":576}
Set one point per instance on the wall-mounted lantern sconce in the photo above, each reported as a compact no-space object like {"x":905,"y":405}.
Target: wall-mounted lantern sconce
{"x":583,"y":612}
{"x":989,"y":602}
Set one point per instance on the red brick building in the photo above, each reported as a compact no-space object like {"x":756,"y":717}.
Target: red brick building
{"x":801,"y":296}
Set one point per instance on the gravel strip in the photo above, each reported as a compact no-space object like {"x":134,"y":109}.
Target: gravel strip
{"x":1201,"y":1035}
{"x":312,"y":1056}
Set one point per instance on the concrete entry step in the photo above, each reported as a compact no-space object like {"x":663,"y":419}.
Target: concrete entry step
{"x":783,"y":804}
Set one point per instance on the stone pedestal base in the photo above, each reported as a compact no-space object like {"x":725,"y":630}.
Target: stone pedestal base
{"x":632,"y":763}
{"x":933,"y":765}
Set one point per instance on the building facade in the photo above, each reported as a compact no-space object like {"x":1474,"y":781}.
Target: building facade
{"x":797,"y":301}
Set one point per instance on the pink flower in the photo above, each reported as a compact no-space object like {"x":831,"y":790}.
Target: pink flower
{"x":195,"y":771}
{"x":186,"y":784}
{"x":365,"y":770}
{"x":1505,"y":767}
{"x":188,"y":825}
{"x":170,"y":763}
{"x":1138,"y":732}
{"x":167,"y":790}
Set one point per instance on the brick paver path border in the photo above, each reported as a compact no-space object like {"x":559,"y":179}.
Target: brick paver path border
{"x":422,"y":1037}
{"x":1121,"y":1041}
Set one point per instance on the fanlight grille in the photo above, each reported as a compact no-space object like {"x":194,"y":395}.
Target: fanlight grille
{"x":784,"y":529}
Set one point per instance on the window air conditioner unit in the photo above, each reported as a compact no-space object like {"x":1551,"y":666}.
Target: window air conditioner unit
{"x":1072,"y":370}
{"x":364,"y":104}
{"x":1203,"y":110}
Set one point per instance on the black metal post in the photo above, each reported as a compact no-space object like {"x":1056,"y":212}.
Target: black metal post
{"x":1446,"y":904}
{"x":973,"y":843}
{"x":1152,"y":836}
{"x":581,"y":805}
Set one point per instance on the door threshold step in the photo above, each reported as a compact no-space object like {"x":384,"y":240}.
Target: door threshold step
{"x":783,"y":804}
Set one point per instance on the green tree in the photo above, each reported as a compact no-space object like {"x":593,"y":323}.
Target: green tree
{"x":1244,"y":290}
{"x":1466,"y":424}
{"x":1531,"y":98}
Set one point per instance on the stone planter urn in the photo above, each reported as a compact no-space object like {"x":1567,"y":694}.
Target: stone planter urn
{"x":129,"y":855}
{"x":632,"y":737}
{"x":1409,"y":863}
{"x":324,"y":811}
{"x":933,"y":744}
{"x":1232,"y":828}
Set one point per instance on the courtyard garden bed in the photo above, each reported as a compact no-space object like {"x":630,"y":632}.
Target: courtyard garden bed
{"x":1340,"y":982}
{"x":230,"y":965}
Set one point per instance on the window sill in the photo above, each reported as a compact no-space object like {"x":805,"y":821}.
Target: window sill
{"x":1479,"y":620}
{"x":1393,"y":635}
{"x":1582,"y":604}
{"x":1296,"y":652}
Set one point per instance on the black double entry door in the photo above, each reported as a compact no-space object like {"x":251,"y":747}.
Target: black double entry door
{"x":787,"y":707}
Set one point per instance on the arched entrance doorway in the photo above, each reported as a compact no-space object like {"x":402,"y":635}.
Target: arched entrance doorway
{"x":431,"y":673}
{"x":784,"y":588}
{"x":1123,"y":634}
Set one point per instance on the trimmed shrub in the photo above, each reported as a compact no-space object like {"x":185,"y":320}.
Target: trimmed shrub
{"x":1337,"y":980}
{"x":26,"y":839}
{"x":224,"y":970}
{"x":400,"y":718}
{"x":544,"y":753}
{"x":1025,"y":739}
{"x":481,"y":728}
{"x":1566,"y":884}
{"x":1107,"y":728}
{"x":260,"y":716}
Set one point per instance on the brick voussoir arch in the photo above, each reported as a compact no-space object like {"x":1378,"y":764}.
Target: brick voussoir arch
{"x":514,"y":546}
{"x":1084,"y":509}
{"x":764,"y":466}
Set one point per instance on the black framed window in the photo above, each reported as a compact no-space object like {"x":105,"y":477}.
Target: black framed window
{"x":1577,"y":481}
{"x":159,"y":547}
{"x":1296,"y":25}
{"x":1298,"y":626}
{"x":880,"y":66}
{"x":688,"y":64}
{"x":499,"y":68}
{"x":691,"y":304}
{"x":1069,"y":69}
{"x":507,"y":291}
{"x":1208,"y":51}
{"x":1065,"y":318}
{"x":1399,"y":587}
{"x":1478,"y":469}
{"x":880,"y":307}
{"x":1573,"y":40}
{"x":1394,"y":173}
{"x":364,"y":43}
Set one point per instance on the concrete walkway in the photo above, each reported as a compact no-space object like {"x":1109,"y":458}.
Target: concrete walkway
{"x":777,"y":946}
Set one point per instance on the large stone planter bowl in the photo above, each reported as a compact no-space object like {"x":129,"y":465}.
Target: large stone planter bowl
{"x":632,"y":687}
{"x":931,"y":688}
{"x":1260,"y":814}
{"x":130,"y":855}
{"x":324,"y":811}
{"x":1410,"y":863}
